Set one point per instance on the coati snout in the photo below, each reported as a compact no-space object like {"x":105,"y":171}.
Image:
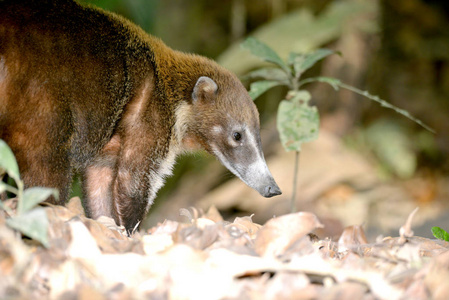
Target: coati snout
{"x":86,"y":91}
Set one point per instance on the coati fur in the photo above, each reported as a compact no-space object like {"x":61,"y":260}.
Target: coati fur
{"x":84,"y":90}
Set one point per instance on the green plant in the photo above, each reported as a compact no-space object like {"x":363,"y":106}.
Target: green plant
{"x":440,"y":234}
{"x":31,"y":221}
{"x":298,"y":121}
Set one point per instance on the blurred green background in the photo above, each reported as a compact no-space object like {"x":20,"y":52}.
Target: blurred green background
{"x":397,"y":49}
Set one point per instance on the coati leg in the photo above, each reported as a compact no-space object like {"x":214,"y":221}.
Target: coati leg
{"x":97,"y":180}
{"x":123,"y":180}
{"x":116,"y":183}
{"x":130,"y":190}
{"x":140,"y":172}
{"x":141,"y":169}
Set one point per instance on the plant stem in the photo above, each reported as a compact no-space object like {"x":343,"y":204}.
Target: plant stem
{"x":295,"y":182}
{"x":19,"y":196}
{"x":11,"y":189}
{"x":336,"y":84}
{"x":384,"y":103}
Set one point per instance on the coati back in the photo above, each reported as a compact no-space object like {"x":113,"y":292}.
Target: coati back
{"x":83,"y":90}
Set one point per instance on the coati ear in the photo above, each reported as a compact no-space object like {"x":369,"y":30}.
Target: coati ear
{"x":205,"y":88}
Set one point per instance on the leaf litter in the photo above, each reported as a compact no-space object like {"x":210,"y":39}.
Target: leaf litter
{"x":201,"y":256}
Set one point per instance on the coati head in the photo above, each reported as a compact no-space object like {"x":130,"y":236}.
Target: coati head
{"x":222,"y":119}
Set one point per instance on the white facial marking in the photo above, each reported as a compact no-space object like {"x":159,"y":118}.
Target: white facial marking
{"x":259,"y":166}
{"x":253,"y":173}
{"x":224,"y":161}
{"x":253,"y":144}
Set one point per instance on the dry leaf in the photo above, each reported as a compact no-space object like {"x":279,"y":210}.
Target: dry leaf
{"x":83,"y":245}
{"x":75,"y":206}
{"x":213,"y":214}
{"x":14,"y":255}
{"x":111,"y":239}
{"x":167,"y":227}
{"x":208,"y":260}
{"x":191,"y":214}
{"x":59,"y":213}
{"x":437,"y":277}
{"x":416,"y":290}
{"x":351,"y":237}
{"x":196,"y":237}
{"x":296,"y":282}
{"x":203,"y":222}
{"x":247,"y":225}
{"x":300,"y":247}
{"x":279,"y":233}
{"x":345,"y":290}
{"x":406,"y":230}
{"x":86,"y":292}
{"x":156,"y":243}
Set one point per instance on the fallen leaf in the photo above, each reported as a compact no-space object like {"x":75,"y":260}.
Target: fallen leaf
{"x":406,"y":230}
{"x":437,"y":277}
{"x":247,"y":225}
{"x":345,"y":290}
{"x":202,"y":223}
{"x":351,"y":238}
{"x":156,"y":243}
{"x":213,"y":214}
{"x":279,"y":233}
{"x":167,"y":226}
{"x":196,"y":237}
{"x":82,"y":236}
{"x":275,"y":288}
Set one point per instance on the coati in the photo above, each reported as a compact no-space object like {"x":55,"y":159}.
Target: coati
{"x":84,"y":90}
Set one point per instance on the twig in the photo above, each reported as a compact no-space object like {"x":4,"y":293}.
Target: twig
{"x":295,"y":183}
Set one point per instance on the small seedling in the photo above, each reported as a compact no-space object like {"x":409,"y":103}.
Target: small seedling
{"x":28,"y":219}
{"x":297,"y":121}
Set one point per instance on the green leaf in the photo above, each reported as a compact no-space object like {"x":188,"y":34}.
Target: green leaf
{"x":271,"y":74}
{"x":33,"y":224}
{"x":297,"y":122}
{"x":259,"y":87}
{"x":303,"y":62}
{"x":264,"y":52}
{"x":334,"y":82}
{"x":440,"y":234}
{"x":35,"y":195}
{"x":8,"y":161}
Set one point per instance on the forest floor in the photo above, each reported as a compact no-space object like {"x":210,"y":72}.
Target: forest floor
{"x":201,"y":256}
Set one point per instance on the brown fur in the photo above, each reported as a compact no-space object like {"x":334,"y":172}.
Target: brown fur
{"x":83,"y":90}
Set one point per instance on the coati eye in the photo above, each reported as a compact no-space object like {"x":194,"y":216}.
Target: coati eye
{"x":237,"y":136}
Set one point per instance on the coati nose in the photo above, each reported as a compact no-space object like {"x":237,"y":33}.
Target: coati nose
{"x":272,"y":190}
